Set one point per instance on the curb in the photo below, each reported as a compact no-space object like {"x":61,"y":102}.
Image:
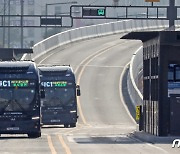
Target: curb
{"x":146,"y":137}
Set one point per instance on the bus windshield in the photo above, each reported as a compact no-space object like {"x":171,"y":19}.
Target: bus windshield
{"x":58,"y":97}
{"x":16,"y":99}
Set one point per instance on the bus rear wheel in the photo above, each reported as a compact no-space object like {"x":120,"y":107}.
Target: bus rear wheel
{"x":73,"y":125}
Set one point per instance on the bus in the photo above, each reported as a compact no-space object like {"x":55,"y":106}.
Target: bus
{"x":20,"y":94}
{"x":59,"y":107}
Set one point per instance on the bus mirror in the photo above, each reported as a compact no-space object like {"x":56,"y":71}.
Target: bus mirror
{"x":78,"y":90}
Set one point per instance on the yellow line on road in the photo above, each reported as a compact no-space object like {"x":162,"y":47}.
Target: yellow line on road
{"x":91,"y":58}
{"x":80,"y":111}
{"x":66,"y":148}
{"x":53,"y":151}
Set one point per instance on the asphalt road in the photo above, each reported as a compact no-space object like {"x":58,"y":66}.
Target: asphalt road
{"x":105,"y":125}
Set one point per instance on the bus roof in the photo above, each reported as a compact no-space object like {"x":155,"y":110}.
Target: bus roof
{"x":56,"y":71}
{"x":13,"y":64}
{"x":55,"y":68}
{"x":17,"y":67}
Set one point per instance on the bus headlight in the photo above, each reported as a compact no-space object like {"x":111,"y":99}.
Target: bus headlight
{"x":68,"y":74}
{"x":72,"y":111}
{"x":35,"y":118}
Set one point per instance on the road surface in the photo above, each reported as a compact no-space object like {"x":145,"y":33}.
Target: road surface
{"x":104,"y":125}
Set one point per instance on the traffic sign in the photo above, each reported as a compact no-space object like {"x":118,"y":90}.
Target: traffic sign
{"x":125,"y":12}
{"x":93,"y":12}
{"x":51,"y":21}
{"x":122,"y":12}
{"x":101,"y":12}
{"x":138,"y":112}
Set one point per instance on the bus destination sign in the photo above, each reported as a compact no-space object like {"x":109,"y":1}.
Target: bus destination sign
{"x":14,"y":83}
{"x":54,"y":83}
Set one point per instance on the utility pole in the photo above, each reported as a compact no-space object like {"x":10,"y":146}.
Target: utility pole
{"x":172,"y":13}
{"x":116,"y":3}
{"x":4,"y":29}
{"x":9,"y":23}
{"x":22,"y":13}
{"x":46,"y":17}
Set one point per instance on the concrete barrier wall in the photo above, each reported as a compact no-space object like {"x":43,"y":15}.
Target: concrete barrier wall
{"x":136,"y":66}
{"x":91,"y":32}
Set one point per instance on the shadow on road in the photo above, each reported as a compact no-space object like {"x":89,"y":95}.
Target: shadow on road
{"x":106,"y":140}
{"x":11,"y":137}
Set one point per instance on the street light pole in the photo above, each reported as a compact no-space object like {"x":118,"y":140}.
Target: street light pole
{"x":22,"y":13}
{"x":172,"y":13}
{"x":4,"y":11}
{"x":46,"y":17}
{"x":9,"y":24}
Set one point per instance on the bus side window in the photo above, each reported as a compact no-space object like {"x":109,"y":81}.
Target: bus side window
{"x":78,"y":90}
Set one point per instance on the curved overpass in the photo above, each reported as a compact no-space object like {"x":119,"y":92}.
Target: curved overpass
{"x":105,"y":125}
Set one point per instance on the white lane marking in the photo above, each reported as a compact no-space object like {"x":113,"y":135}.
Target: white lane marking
{"x":96,"y":54}
{"x":47,"y":57}
{"x":121,"y":96}
{"x":102,"y":66}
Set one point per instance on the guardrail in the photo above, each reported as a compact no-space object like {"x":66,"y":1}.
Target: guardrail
{"x":90,"y":32}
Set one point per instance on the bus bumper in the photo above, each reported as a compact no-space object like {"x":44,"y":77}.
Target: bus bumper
{"x":59,"y":119}
{"x":20,"y":127}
